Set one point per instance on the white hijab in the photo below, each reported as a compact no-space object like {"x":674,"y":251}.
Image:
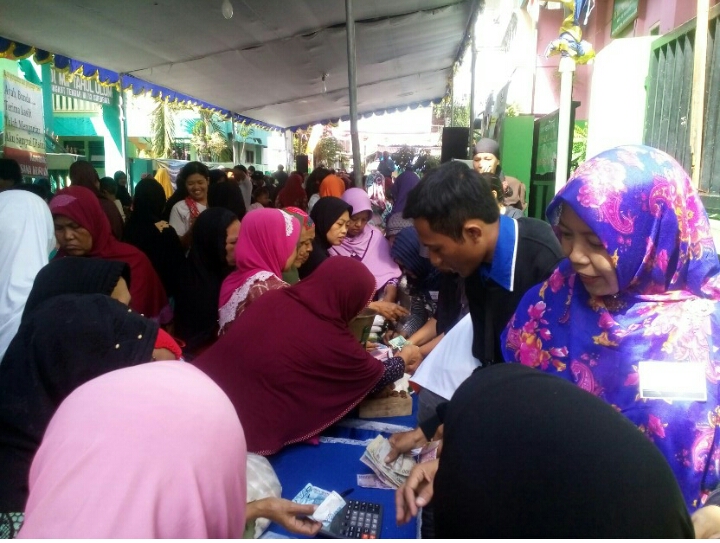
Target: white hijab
{"x":27,"y":237}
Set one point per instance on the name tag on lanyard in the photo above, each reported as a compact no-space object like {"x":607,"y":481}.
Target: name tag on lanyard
{"x":680,"y":381}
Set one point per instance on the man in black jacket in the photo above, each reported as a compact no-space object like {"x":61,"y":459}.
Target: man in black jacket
{"x":500,"y":259}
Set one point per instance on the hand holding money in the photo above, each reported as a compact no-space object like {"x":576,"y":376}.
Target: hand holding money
{"x":391,"y":474}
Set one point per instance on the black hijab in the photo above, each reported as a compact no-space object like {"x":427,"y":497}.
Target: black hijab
{"x":529,"y":455}
{"x":75,"y":275}
{"x":196,"y":300}
{"x":163,"y":248}
{"x":227,"y":195}
{"x":63,"y":343}
{"x":324,"y":213}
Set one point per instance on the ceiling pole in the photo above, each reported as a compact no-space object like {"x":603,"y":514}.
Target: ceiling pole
{"x":352,"y":84}
{"x":471,"y":142}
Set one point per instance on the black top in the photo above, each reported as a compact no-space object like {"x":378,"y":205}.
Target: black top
{"x":451,"y":297}
{"x":528,"y":455}
{"x":200,"y":278}
{"x":75,"y":275}
{"x":65,"y":342}
{"x":538,"y":254}
{"x":163,"y":248}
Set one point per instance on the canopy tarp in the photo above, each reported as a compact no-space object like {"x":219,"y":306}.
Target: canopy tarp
{"x":266,"y":63}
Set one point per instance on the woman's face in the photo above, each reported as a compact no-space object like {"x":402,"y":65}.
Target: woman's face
{"x":339,"y":230}
{"x":71,"y":237}
{"x":121,"y":292}
{"x":233,"y":231}
{"x":587,"y":254}
{"x":357,"y":223}
{"x":304,"y":247}
{"x":197,"y":187}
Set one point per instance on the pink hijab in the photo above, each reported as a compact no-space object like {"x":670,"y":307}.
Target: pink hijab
{"x":267,"y":239}
{"x":370,"y":246}
{"x":151,"y":451}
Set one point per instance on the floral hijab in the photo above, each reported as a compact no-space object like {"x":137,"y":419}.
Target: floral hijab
{"x":640,"y":203}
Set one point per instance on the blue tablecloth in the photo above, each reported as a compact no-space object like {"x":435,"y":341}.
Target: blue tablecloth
{"x":334,"y":464}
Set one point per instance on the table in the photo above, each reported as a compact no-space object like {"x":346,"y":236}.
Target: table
{"x":334,"y":464}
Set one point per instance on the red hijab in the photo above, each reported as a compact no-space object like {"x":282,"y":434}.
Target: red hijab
{"x":82,"y":206}
{"x":293,"y":194}
{"x":310,"y":373}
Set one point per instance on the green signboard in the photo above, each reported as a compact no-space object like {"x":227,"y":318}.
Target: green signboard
{"x":624,"y":13}
{"x":547,"y":143}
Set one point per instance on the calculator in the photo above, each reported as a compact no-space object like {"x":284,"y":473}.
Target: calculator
{"x":357,"y":520}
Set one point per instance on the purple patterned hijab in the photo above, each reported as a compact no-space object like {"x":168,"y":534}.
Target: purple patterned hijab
{"x":640,"y":204}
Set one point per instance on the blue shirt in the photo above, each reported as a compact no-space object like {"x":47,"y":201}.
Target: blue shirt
{"x":502,"y":268}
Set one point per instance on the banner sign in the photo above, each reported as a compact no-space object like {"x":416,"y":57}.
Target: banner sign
{"x":24,"y":126}
{"x":82,"y":89}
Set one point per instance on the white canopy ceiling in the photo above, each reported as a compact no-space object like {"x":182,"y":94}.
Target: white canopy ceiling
{"x":267,"y":62}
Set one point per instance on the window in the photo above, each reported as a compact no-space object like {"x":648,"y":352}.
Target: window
{"x":250,"y":157}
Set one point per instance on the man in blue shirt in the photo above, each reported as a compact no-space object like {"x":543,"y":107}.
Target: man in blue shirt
{"x":459,"y":222}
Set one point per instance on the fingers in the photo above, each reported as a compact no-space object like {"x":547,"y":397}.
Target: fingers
{"x":304,"y":527}
{"x":300,"y":508}
{"x":392,"y":455}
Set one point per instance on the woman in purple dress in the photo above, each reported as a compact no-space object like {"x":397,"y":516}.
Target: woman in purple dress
{"x":632,"y":314}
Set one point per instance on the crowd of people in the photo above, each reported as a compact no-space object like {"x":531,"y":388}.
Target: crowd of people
{"x":178,"y":337}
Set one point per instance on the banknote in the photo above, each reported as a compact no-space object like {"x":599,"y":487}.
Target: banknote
{"x":393,"y":474}
{"x":328,"y":503}
{"x":311,"y":495}
{"x":370,"y":480}
{"x":329,"y":507}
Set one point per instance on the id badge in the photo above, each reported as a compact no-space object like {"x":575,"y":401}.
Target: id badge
{"x":680,"y":381}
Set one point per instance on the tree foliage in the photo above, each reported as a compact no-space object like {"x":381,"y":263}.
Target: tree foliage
{"x":162,"y":126}
{"x":328,"y":151}
{"x":453,"y":115}
{"x":404,"y":156}
{"x":209,"y":139}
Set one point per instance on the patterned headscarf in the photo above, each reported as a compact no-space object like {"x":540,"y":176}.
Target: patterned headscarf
{"x":640,"y":204}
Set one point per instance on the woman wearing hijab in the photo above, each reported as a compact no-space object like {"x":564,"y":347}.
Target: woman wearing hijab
{"x":156,"y":238}
{"x":404,"y":183}
{"x":162,"y":176}
{"x":83,"y":174}
{"x":423,"y":280}
{"x":266,"y":247}
{"x":176,"y":442}
{"x":332,"y":185}
{"x":331,"y":216}
{"x":211,"y":259}
{"x":395,"y":223}
{"x":229,"y":196}
{"x":292,"y":194}
{"x":291,"y":388}
{"x":64,"y":342}
{"x":642,"y":282}
{"x":27,"y":238}
{"x":304,"y":246}
{"x":82,"y":229}
{"x":556,"y":463}
{"x":367,"y":244}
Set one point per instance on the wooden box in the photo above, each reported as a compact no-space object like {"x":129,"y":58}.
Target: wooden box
{"x":394,"y":406}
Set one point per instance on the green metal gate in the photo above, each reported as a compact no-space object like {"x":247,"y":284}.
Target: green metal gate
{"x":667,"y":117}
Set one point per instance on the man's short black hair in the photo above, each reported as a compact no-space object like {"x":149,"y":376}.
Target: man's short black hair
{"x":450,"y":195}
{"x":240,"y":167}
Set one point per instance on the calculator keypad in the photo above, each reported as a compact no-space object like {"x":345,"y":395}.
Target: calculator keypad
{"x":362,"y":520}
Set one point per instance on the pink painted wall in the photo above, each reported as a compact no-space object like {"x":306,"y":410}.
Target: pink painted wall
{"x":669,"y":14}
{"x":547,"y":82}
